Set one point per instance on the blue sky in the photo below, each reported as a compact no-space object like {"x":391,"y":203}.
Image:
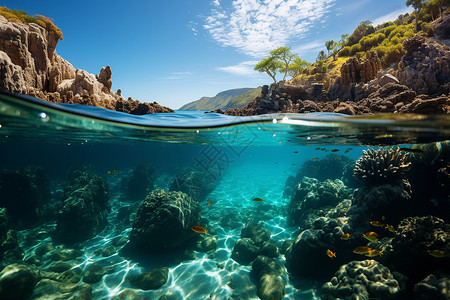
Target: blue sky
{"x":176,"y":51}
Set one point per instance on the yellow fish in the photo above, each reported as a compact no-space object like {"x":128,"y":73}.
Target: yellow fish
{"x":390,"y":228}
{"x":331,"y":254}
{"x":111,"y":172}
{"x":374,"y":252}
{"x":371,"y":236}
{"x":438,"y":253}
{"x":315,"y":157}
{"x":362,"y":250}
{"x":345,"y":236}
{"x":334,"y":150}
{"x":376,"y":224}
{"x":208,"y":203}
{"x":257,"y":199}
{"x":199,"y":229}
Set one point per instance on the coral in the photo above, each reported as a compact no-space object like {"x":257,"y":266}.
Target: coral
{"x":164,"y":220}
{"x":382,"y":165}
{"x":432,"y":288}
{"x":332,"y":166}
{"x":84,"y":209}
{"x":365,"y":279}
{"x":312,"y":199}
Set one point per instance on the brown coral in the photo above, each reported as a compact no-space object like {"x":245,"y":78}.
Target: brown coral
{"x":382,"y":165}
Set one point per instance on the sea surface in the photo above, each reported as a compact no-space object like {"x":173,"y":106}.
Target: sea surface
{"x":252,"y":158}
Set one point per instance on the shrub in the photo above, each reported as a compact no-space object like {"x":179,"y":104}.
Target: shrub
{"x":344,"y":51}
{"x":393,"y":54}
{"x":371,"y":41}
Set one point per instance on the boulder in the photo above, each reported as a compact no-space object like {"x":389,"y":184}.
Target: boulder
{"x":84,"y":209}
{"x":256,"y":232}
{"x":244,"y":251}
{"x":355,"y":70}
{"x":164,"y":220}
{"x":269,"y":274}
{"x":17,"y":281}
{"x":152,"y":280}
{"x":388,"y":78}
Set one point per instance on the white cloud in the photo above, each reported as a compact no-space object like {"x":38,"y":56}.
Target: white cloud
{"x":242,"y":69}
{"x":256,"y":27}
{"x":392,"y":16}
{"x":309,"y":47}
{"x":216,"y":3}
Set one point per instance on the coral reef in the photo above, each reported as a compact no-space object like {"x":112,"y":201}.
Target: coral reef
{"x":365,"y":279}
{"x":164,"y":220}
{"x":332,"y":166}
{"x":312,"y":198}
{"x":432,"y":288}
{"x":140,"y":182}
{"x":382,"y":166}
{"x":84,"y":210}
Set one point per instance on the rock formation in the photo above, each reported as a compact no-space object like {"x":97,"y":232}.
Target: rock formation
{"x":30,"y":65}
{"x":357,"y":70}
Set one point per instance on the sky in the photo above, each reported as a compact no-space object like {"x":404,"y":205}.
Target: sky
{"x":177,"y":51}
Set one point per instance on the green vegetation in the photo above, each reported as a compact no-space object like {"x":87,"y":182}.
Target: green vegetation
{"x":20,"y":16}
{"x":235,"y":98}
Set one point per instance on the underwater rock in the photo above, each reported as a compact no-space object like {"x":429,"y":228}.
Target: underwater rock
{"x":244,"y":251}
{"x":65,"y":254}
{"x":93,"y":273}
{"x":208,"y":243}
{"x":164,"y":219}
{"x":128,"y":294}
{"x":414,"y":239}
{"x":108,"y":251}
{"x":332,"y":166}
{"x":72,"y":275}
{"x":60,"y":266}
{"x":312,"y":198}
{"x":152,"y":280}
{"x":140,"y":183}
{"x":17,"y":281}
{"x":268,"y":273}
{"x":24,"y":192}
{"x":8,"y":236}
{"x":433,"y":288}
{"x":85,"y":208}
{"x":361,"y":280}
{"x":50,"y":289}
{"x":196,"y":184}
{"x":256,"y":232}
{"x":269,"y":250}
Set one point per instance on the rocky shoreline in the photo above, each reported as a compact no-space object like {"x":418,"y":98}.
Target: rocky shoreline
{"x":419,"y":84}
{"x":30,"y":65}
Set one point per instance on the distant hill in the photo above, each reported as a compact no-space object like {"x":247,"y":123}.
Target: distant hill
{"x":234,"y":98}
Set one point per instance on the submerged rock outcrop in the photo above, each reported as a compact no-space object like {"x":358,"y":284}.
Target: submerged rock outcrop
{"x":30,"y":65}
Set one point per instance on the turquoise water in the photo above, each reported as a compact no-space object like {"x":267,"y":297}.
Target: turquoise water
{"x":249,"y":157}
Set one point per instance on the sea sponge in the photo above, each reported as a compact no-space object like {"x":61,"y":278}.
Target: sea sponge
{"x":361,"y":280}
{"x":382,"y":165}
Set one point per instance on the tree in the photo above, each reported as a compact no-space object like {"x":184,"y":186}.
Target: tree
{"x":321,"y":56}
{"x":297,"y":66}
{"x":417,"y":5}
{"x":331,"y":45}
{"x":269,"y":65}
{"x":285,"y":57}
{"x":343,"y":40}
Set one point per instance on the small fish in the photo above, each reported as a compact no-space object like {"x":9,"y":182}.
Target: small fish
{"x":110,"y":134}
{"x":347,"y":151}
{"x":438,"y":253}
{"x":295,"y":151}
{"x":338,"y":158}
{"x":334,"y":150}
{"x":257,"y":199}
{"x":199,"y":229}
{"x":376,"y":224}
{"x":374,"y":252}
{"x":362,"y":250}
{"x":315,"y":157}
{"x":293,"y":164}
{"x":412,"y":150}
{"x":208,"y":203}
{"x":345,"y":236}
{"x":112,"y":172}
{"x":390,"y":228}
{"x":318,"y":148}
{"x":383,"y":218}
{"x":371,"y":236}
{"x":382,"y":136}
{"x":331,"y":254}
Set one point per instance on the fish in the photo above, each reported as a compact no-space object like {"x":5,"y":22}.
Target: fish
{"x":345,"y":236}
{"x":390,"y":228}
{"x":334,"y":150}
{"x":362,"y":250}
{"x":331,"y":254}
{"x":110,"y":134}
{"x":293,"y":164}
{"x":112,"y":172}
{"x":318,"y":148}
{"x":382,"y":136}
{"x":199,"y":229}
{"x":438,"y":253}
{"x":371,"y":236}
{"x":315,"y":157}
{"x":374,"y":252}
{"x":208,"y":203}
{"x":257,"y":199}
{"x":347,"y":151}
{"x":412,"y":150}
{"x":295,"y":151}
{"x":376,"y":224}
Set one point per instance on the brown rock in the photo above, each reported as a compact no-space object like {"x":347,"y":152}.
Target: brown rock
{"x":345,"y":108}
{"x":357,"y":70}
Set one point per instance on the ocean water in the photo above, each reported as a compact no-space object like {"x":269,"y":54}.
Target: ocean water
{"x":241,"y":158}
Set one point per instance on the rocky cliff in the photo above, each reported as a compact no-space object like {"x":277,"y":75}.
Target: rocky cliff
{"x":30,"y":65}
